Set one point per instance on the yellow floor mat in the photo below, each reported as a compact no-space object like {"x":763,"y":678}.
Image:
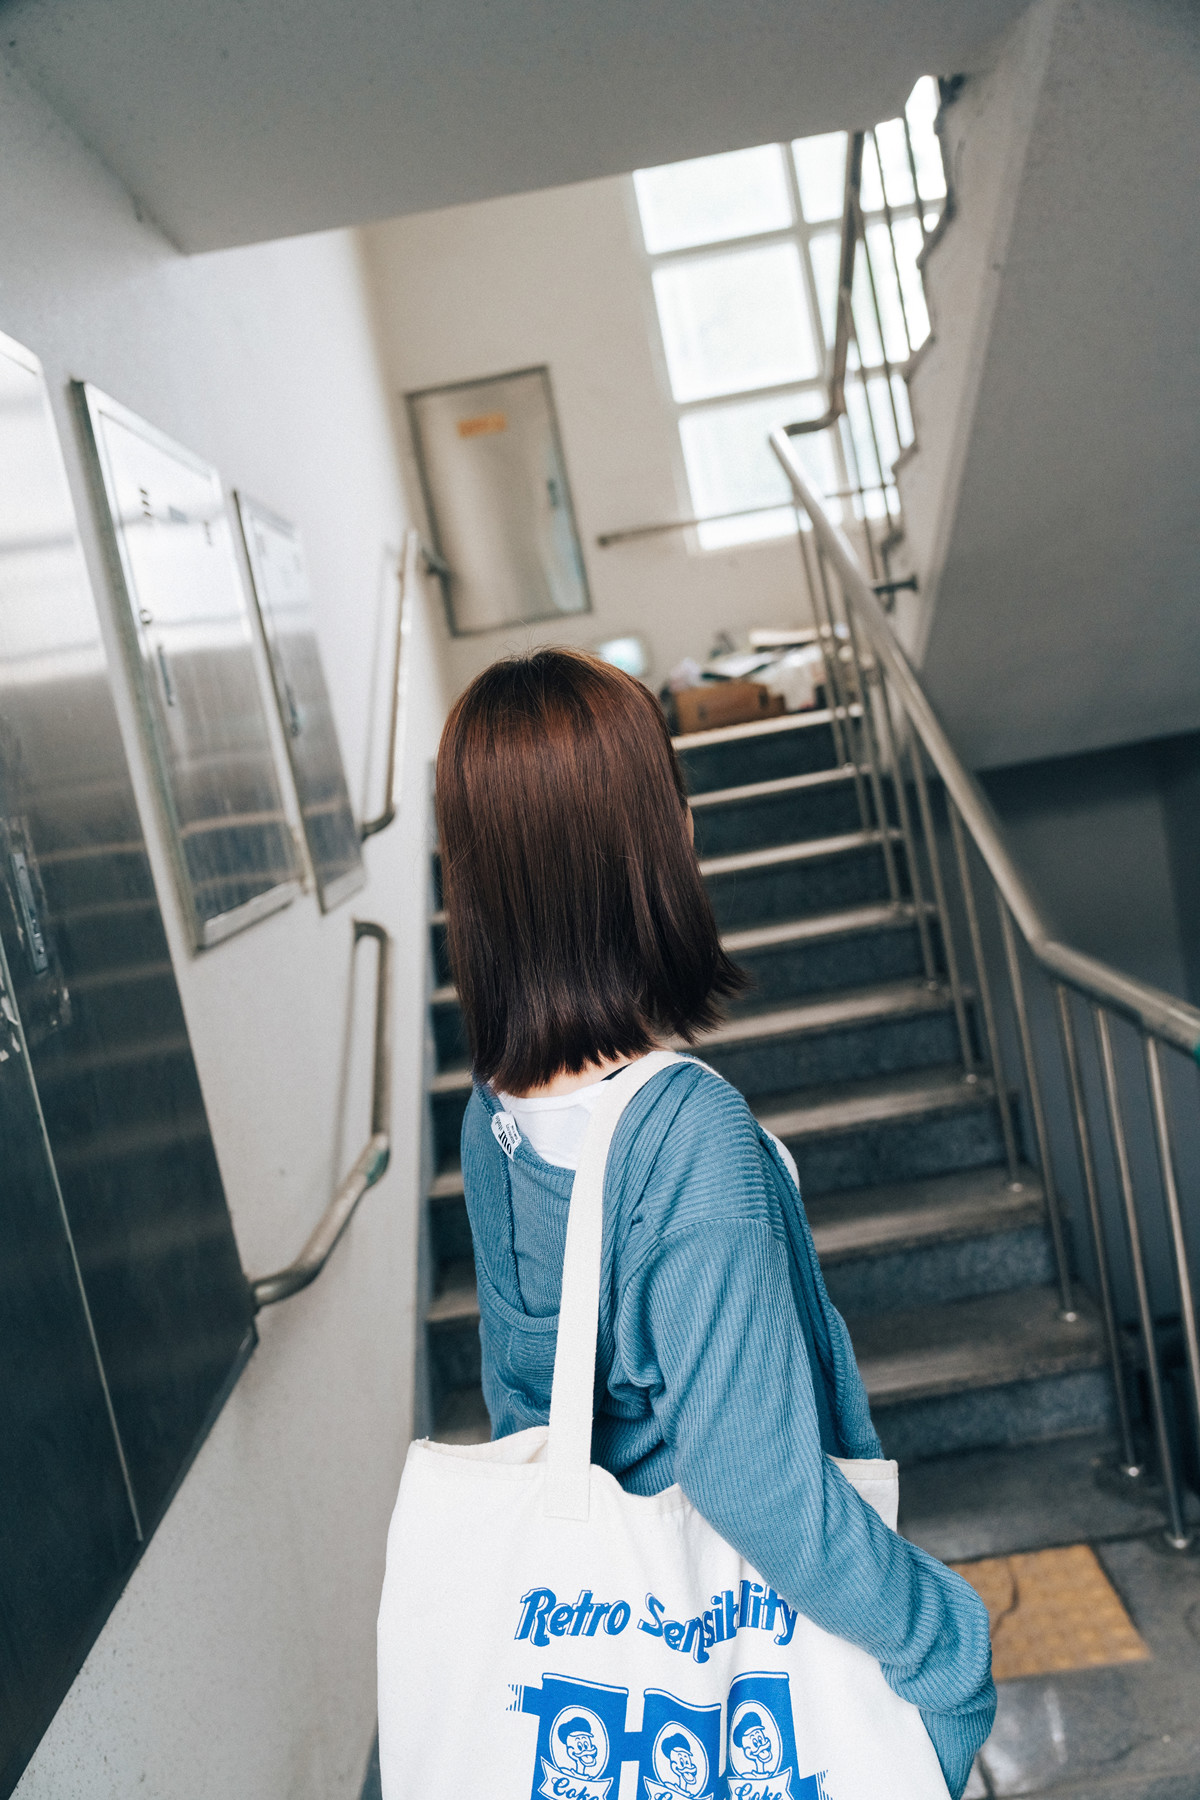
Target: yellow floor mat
{"x":1052,"y":1610}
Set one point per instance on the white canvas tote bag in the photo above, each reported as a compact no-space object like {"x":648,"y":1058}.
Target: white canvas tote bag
{"x":544,"y":1635}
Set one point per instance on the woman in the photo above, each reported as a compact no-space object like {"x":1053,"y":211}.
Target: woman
{"x":581,"y":938}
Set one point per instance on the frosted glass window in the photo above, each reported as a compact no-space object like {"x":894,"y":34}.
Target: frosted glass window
{"x":921,"y":111}
{"x":748,"y":326}
{"x":892,"y":151}
{"x":731,"y":466}
{"x":735,"y":322}
{"x":821,"y":174}
{"x":711,"y":198}
{"x":825,"y":254}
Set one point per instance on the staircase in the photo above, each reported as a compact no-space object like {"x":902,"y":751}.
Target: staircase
{"x":849,"y":1053}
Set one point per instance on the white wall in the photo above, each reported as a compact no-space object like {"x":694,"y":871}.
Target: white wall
{"x":1064,"y":548}
{"x":559,"y":277}
{"x":240,"y":1660}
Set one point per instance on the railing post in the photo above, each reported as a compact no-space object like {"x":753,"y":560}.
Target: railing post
{"x":915,"y":879}
{"x":1033,"y":1082}
{"x":1176,"y":1534}
{"x":820,"y":602}
{"x":949,"y":948}
{"x":1003,"y":1098}
{"x":1130,"y":1465}
{"x":871,"y":745}
{"x":1187,"y":1301}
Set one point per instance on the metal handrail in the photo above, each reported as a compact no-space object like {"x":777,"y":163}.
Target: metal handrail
{"x":407,"y":585}
{"x":369,"y":1165}
{"x":1155,"y":1011}
{"x":884,"y":719}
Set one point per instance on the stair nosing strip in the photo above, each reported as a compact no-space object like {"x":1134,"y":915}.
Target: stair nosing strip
{"x":807,"y":850}
{"x":986,"y":1368}
{"x":453,"y":1307}
{"x":848,"y":1241}
{"x":783,"y":784}
{"x":874,"y":1109}
{"x":888,"y":1000}
{"x":755,"y":728}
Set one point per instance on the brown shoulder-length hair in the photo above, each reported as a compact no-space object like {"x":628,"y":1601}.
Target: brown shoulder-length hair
{"x":579,"y":928}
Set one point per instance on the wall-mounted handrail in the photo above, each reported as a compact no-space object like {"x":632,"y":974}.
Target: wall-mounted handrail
{"x":407,"y":587}
{"x":369,"y":1165}
{"x":1151,"y":1008}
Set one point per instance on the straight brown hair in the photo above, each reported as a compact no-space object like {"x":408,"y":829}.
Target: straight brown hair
{"x":579,"y":928}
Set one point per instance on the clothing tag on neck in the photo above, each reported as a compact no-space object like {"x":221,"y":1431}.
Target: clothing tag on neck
{"x":504,"y":1130}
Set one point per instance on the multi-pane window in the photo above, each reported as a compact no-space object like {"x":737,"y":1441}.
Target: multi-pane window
{"x":744,"y":251}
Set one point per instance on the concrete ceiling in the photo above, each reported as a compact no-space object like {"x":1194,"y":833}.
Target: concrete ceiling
{"x":237,"y":120}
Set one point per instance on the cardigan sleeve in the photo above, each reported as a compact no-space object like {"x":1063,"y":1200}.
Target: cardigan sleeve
{"x":708,"y":1322}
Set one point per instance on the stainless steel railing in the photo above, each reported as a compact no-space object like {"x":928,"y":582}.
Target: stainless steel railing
{"x":371,"y":1161}
{"x":1112,"y":1193}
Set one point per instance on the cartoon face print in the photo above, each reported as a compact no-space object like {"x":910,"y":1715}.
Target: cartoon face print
{"x":679,"y":1760}
{"x":683,"y":1763}
{"x":575,"y":1735}
{"x":751,"y":1736}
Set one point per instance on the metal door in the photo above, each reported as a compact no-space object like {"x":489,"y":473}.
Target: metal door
{"x":124,"y":1312}
{"x":280,"y":576}
{"x":68,"y":1526}
{"x":499,"y":506}
{"x":187,"y":617}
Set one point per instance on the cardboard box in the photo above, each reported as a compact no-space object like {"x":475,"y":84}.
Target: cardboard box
{"x":725,"y":703}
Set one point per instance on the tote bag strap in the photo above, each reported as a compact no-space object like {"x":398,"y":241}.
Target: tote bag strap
{"x":569,"y":1451}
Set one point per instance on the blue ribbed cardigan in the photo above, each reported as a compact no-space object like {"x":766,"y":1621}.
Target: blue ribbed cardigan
{"x":723,"y":1365}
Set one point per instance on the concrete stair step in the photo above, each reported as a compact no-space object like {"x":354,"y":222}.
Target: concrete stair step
{"x":908,"y":1215}
{"x":902,"y":1127}
{"x":763,"y":813}
{"x":457,"y":1298}
{"x":463,"y":1418}
{"x":851,"y":1036}
{"x":1065,"y":1490}
{"x":997,"y":1369}
{"x":854,"y":1035}
{"x":790,"y":960}
{"x":764,"y":750}
{"x":803,"y":878}
{"x":969,"y":1232}
{"x":452,"y":1321}
{"x":967,"y":1345}
{"x":924,"y":1242}
{"x":870,"y":1224}
{"x":849,"y":1106}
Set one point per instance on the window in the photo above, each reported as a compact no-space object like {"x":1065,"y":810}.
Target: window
{"x":744,"y":250}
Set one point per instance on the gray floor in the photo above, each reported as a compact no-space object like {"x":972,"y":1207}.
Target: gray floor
{"x":1126,"y":1733}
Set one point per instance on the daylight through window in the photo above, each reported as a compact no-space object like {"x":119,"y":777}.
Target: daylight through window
{"x":744,"y":253}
